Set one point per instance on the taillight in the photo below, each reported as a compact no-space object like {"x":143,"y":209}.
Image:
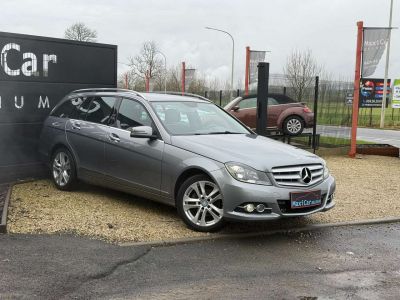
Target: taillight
{"x":306,"y":109}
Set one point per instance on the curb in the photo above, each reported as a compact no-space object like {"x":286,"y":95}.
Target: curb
{"x":3,"y":224}
{"x":259,"y":234}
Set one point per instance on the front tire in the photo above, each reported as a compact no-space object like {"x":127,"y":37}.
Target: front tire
{"x":293,"y":125}
{"x":63,"y":169}
{"x":200,"y":204}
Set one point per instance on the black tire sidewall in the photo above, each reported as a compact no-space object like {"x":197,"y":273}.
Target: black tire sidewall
{"x":72,"y":180}
{"x":181,"y":212}
{"x":286,"y":131}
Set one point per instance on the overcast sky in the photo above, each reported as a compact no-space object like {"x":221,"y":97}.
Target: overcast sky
{"x":327,"y":27}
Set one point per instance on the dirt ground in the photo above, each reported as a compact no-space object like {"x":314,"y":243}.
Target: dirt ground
{"x":367,"y":188}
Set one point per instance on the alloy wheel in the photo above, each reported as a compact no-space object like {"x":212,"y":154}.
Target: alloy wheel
{"x":202,"y":203}
{"x":293,"y":126}
{"x":61,"y":169}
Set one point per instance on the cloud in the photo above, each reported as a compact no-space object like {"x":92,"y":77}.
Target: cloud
{"x":325,"y":26}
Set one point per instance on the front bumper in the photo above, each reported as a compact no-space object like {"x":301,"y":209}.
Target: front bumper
{"x":236,"y":193}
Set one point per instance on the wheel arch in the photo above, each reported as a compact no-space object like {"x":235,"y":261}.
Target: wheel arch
{"x":187,"y":173}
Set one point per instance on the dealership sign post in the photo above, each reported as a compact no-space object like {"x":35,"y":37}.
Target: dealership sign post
{"x":35,"y":74}
{"x":371,"y":43}
{"x":354,"y":119}
{"x":253,"y":57}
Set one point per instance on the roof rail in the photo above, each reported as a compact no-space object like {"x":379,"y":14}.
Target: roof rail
{"x":108,"y":90}
{"x":184,"y":94}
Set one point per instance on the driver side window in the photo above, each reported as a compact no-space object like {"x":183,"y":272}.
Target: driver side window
{"x":132,"y":114}
{"x":248,"y":103}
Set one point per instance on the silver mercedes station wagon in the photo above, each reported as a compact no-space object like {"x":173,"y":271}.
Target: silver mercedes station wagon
{"x":184,"y":151}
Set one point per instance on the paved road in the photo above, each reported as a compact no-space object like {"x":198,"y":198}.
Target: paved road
{"x":391,"y":137}
{"x":332,"y":263}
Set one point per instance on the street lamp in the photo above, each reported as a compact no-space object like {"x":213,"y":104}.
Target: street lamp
{"x":165,"y":66}
{"x":233,"y":52}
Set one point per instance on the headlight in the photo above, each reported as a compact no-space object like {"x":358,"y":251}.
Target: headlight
{"x":326,"y":172}
{"x":247,"y":174}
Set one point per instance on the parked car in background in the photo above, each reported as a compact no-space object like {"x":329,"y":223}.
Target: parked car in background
{"x":283,"y":113}
{"x":183,"y":151}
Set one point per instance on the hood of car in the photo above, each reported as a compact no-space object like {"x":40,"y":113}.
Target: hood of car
{"x":258,"y":152}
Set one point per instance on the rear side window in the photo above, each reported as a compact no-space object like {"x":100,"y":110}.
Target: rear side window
{"x":100,"y":109}
{"x":72,"y":108}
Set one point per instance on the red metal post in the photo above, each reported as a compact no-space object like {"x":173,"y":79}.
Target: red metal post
{"x":126,"y":80}
{"x":147,"y":82}
{"x":246,"y":76}
{"x":183,"y":77}
{"x":356,"y":96}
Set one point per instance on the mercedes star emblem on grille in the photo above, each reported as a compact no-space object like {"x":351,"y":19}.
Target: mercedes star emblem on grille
{"x":306,"y":175}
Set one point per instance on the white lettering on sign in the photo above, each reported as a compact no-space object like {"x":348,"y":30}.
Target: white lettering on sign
{"x":21,"y":105}
{"x":45,"y":103}
{"x":19,"y":102}
{"x":46,"y":60}
{"x":29,"y":66}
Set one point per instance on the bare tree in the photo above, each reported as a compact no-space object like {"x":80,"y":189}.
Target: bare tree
{"x":80,"y":32}
{"x":300,"y":70}
{"x":147,"y":62}
{"x":174,"y":79}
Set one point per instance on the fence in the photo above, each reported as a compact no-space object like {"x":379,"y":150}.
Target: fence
{"x":334,"y":114}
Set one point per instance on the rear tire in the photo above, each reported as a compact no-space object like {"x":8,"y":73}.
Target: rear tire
{"x":200,"y":204}
{"x":63,"y":169}
{"x":293,"y":125}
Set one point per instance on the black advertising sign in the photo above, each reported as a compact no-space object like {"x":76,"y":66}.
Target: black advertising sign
{"x":371,"y":92}
{"x":35,"y":74}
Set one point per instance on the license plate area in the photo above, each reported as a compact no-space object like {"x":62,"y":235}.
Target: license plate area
{"x":307,"y":199}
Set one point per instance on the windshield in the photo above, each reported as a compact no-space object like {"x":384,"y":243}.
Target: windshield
{"x":191,"y":118}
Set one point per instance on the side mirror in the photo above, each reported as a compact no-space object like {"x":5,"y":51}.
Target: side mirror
{"x":142,"y":132}
{"x":235,"y":108}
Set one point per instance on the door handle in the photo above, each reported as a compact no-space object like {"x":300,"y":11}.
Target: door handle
{"x":115,"y":138}
{"x":56,"y":124}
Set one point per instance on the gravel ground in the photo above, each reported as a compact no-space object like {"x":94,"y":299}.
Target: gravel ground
{"x":367,"y":188}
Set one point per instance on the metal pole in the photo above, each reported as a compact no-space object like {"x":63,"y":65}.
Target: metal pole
{"x":314,"y":136}
{"x":165,"y":66}
{"x":262,"y":97}
{"x":147,"y":83}
{"x":233,"y":53}
{"x":246,"y":76}
{"x":183,"y":77}
{"x":356,"y":97}
{"x":220,"y":98}
{"x":382,"y":125}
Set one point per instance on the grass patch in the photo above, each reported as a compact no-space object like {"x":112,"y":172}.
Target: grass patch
{"x":330,"y":141}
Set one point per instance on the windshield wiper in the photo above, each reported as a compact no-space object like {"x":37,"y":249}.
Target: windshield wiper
{"x":224,"y":132}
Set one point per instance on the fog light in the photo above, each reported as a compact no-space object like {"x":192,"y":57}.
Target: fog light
{"x":249,"y":207}
{"x":260,"y":208}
